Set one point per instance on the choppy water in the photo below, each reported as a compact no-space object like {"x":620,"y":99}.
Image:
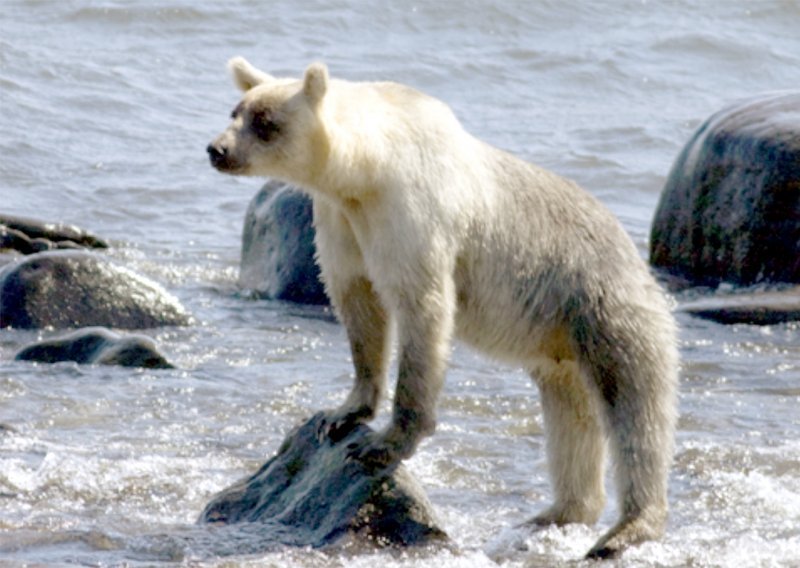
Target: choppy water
{"x":105,"y":111}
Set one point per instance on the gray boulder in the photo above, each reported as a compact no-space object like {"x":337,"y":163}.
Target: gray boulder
{"x":729,"y":209}
{"x":278,"y":247}
{"x":69,"y":289}
{"x":311,"y":494}
{"x":29,"y":236}
{"x":98,"y":346}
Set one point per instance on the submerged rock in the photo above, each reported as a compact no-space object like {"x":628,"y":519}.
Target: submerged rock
{"x":278,"y":247}
{"x":29,"y":236}
{"x":311,"y":494}
{"x":729,"y":209}
{"x":98,"y":346}
{"x":757,"y":308}
{"x":68,"y":289}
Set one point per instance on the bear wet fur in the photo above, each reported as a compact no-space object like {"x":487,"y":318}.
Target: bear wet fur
{"x":423,"y":229}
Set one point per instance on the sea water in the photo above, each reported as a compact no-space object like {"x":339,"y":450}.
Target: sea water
{"x":105,"y":111}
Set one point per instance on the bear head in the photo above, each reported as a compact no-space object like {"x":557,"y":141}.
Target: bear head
{"x":276,"y":129}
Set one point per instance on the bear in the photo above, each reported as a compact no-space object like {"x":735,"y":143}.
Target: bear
{"x":424,"y":234}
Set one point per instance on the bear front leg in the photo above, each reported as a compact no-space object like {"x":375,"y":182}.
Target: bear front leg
{"x":362,"y":313}
{"x":425,"y":326}
{"x":367,"y":329}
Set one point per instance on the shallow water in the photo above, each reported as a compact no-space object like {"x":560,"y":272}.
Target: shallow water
{"x":106,"y":111}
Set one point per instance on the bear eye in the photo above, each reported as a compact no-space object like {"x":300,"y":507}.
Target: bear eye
{"x":264,"y":126}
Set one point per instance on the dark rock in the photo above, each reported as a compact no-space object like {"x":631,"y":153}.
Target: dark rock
{"x":757,"y":308}
{"x":66,"y":289}
{"x":730,"y":210}
{"x":311,"y":494}
{"x":278,"y":247}
{"x":11,"y":239}
{"x":99,"y":346}
{"x":29,"y":236}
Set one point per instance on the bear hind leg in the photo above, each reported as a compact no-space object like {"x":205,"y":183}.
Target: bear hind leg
{"x":575,"y":444}
{"x":637,"y":382}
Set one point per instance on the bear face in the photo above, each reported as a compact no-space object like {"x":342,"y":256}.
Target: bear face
{"x":275,"y":128}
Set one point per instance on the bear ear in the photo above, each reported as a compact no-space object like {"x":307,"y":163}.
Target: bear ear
{"x":315,"y":82}
{"x":245,"y":75}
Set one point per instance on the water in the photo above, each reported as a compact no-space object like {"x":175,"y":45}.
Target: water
{"x":105,"y":111}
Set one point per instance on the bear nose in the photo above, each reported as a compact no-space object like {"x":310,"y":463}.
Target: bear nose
{"x":216,"y":153}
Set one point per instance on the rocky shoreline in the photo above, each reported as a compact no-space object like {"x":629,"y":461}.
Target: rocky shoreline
{"x":724,"y":241}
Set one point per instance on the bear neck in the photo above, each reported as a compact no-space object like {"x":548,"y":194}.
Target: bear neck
{"x":354,"y":164}
{"x":359,"y":149}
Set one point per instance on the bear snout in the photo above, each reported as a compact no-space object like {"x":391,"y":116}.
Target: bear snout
{"x":225,"y":160}
{"x":217,"y":154}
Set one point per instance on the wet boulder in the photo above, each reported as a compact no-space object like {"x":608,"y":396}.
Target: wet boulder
{"x":730,"y":209}
{"x":312,"y":494}
{"x":278,"y":249}
{"x":69,"y":289}
{"x":97,"y":346}
{"x":28,"y":236}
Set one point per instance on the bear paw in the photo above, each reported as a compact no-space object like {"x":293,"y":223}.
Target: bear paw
{"x":374,"y":452}
{"x":585,"y":512}
{"x":337,"y":424}
{"x":627,"y":533}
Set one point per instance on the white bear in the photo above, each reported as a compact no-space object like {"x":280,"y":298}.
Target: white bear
{"x":424,"y":228}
